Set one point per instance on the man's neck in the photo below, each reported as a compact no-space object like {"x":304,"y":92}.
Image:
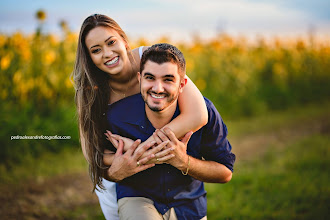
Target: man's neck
{"x":162,"y":118}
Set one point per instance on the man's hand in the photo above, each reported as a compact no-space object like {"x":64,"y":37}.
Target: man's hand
{"x":179,"y":148}
{"x":125,"y":165}
{"x":206,"y":171}
{"x":162,"y":153}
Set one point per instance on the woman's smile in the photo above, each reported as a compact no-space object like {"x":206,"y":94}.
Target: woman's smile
{"x":112,"y":62}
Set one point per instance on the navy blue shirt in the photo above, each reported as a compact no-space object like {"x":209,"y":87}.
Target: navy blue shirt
{"x":163,"y":183}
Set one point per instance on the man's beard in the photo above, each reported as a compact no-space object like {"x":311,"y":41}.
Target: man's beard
{"x":169,"y":101}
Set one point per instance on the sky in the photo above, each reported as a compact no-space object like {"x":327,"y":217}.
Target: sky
{"x":176,"y":19}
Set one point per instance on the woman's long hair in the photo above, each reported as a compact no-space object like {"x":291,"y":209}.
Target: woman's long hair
{"x":92,"y":97}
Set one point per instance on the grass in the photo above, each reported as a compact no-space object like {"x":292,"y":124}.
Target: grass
{"x":48,"y":165}
{"x":277,"y":120}
{"x":286,"y":183}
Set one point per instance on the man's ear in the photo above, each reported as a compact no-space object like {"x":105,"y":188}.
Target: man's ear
{"x":139,"y":76}
{"x":183,"y":82}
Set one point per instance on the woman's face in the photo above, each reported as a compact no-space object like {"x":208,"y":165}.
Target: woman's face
{"x":107,"y":50}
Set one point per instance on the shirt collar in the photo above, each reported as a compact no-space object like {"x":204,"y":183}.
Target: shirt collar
{"x":139,"y":118}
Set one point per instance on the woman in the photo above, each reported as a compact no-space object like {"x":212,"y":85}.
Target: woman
{"x":105,"y":72}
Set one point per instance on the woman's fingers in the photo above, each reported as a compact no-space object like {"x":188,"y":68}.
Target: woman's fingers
{"x":120,"y":148}
{"x":141,"y":150}
{"x":156,"y":149}
{"x":131,"y":150}
{"x":156,"y":138}
{"x":112,"y":140}
{"x":162,"y":135}
{"x":169,"y":133}
{"x":158,"y":154}
{"x":146,"y":159}
{"x":163,"y":153}
{"x":116,"y":136}
{"x":165,"y":158}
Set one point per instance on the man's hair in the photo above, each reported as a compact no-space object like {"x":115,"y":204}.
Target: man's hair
{"x":162,"y":53}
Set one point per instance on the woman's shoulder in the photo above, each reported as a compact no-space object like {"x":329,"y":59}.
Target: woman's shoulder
{"x":137,"y":52}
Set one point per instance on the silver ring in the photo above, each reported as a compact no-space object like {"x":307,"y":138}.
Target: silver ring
{"x":138,"y":163}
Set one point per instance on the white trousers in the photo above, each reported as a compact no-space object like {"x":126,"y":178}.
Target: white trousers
{"x":108,"y":200}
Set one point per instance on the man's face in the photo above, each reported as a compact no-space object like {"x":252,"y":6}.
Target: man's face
{"x":160,"y":84}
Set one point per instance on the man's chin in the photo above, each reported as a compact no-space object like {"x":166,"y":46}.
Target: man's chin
{"x":155,"y":108}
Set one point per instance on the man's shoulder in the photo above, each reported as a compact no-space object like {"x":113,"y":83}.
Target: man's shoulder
{"x":129,"y":107}
{"x":214,"y":116}
{"x":134,"y":99}
{"x":209,"y":104}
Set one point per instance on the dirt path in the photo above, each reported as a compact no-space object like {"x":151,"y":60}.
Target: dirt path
{"x":48,"y":199}
{"x":53,"y":197}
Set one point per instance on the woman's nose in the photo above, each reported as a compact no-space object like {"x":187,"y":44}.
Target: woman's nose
{"x":107,"y":53}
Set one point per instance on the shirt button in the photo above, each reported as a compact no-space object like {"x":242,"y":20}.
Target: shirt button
{"x":168,"y":190}
{"x":142,"y":126}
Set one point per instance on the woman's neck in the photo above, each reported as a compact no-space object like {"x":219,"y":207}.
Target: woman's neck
{"x":121,"y":80}
{"x":127,"y":85}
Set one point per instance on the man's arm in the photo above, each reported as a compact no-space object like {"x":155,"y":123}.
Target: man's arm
{"x":206,"y":171}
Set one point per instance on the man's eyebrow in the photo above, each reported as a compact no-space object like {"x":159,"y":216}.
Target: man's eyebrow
{"x":168,"y":76}
{"x":147,"y":74}
{"x":104,"y":42}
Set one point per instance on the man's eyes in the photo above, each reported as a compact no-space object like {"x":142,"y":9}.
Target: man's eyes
{"x":165,"y":79}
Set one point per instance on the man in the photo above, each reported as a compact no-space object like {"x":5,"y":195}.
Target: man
{"x":172,"y":190}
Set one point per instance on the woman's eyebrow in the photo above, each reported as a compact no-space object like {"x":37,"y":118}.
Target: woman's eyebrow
{"x":104,"y":42}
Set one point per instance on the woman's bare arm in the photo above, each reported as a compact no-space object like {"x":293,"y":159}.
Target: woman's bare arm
{"x":193,"y":111}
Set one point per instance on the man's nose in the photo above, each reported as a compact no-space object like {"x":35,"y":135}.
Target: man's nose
{"x":158,"y":87}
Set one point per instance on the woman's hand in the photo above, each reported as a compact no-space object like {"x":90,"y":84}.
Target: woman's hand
{"x":114,"y":139}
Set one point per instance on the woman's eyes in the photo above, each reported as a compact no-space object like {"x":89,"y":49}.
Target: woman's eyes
{"x":96,"y":50}
{"x":111,"y":42}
